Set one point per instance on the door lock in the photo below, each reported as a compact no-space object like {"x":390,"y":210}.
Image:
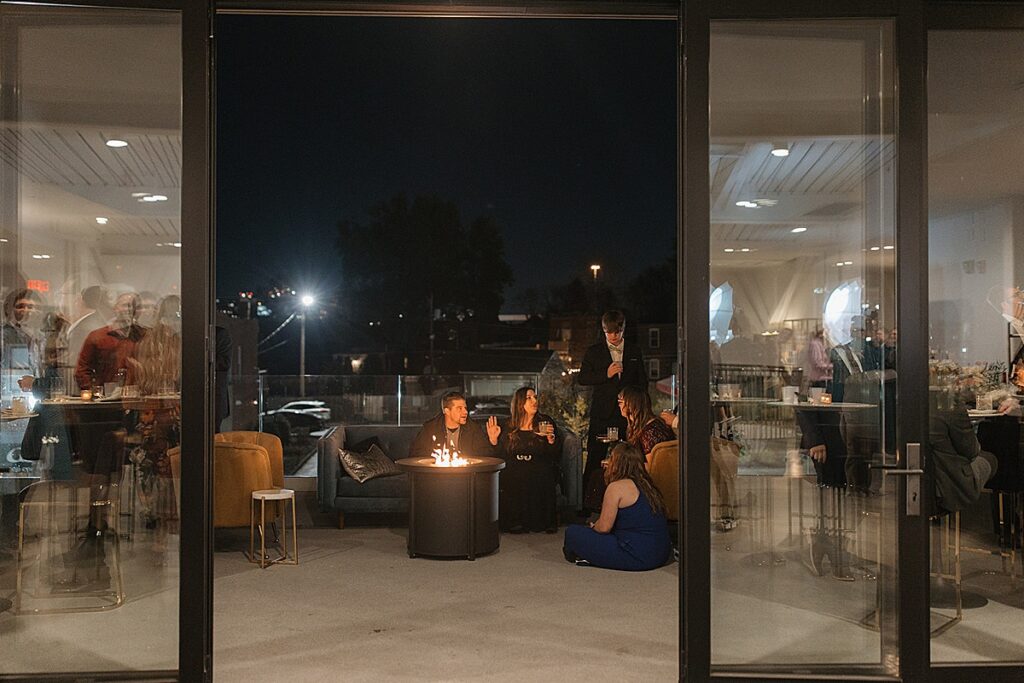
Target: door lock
{"x":913,"y":473}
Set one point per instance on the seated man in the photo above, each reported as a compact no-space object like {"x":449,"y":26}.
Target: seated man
{"x":452,"y":428}
{"x":961,"y":467}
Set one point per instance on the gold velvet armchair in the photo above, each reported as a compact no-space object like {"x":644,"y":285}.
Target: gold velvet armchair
{"x":243,"y":462}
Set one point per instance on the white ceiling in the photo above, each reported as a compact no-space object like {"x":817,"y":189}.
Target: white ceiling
{"x":84,"y":77}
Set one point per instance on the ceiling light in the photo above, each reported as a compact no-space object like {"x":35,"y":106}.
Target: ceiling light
{"x":847,"y":263}
{"x":728,"y":250}
{"x":839,"y":263}
{"x":780,"y":149}
{"x":158,"y":197}
{"x":139,"y":194}
{"x":744,"y":250}
{"x":102,"y":220}
{"x":4,"y":240}
{"x":747,"y":204}
{"x":40,"y":256}
{"x":766,"y":202}
{"x":888,"y":246}
{"x":875,"y":248}
{"x":116,"y":144}
{"x":798,"y":230}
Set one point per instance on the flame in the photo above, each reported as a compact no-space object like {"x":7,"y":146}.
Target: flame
{"x":447,"y":458}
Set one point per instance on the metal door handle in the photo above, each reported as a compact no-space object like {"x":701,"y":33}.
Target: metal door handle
{"x":912,"y":471}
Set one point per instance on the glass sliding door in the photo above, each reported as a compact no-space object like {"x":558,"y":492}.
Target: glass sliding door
{"x":802,"y":312}
{"x":976,"y":314}
{"x":90,"y":274}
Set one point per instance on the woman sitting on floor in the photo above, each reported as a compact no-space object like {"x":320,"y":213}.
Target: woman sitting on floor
{"x":631,"y":532}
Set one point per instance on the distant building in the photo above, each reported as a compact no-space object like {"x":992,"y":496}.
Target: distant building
{"x":658,"y":344}
{"x":570,"y":335}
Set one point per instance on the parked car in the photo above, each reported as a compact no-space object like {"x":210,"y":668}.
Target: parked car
{"x":486,"y":406}
{"x":318,"y":408}
{"x":292,"y":419}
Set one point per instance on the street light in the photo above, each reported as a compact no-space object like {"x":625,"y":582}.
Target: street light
{"x":307,"y":301}
{"x":595,"y":268}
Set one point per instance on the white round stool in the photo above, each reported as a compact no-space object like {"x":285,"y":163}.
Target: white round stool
{"x":263,"y":496}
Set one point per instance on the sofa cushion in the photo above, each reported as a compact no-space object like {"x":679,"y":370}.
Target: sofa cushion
{"x":369,"y":465}
{"x":385,"y":487}
{"x":394,"y":440}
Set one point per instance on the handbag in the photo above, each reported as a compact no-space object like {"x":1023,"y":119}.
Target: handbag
{"x":725,"y":465}
{"x":32,"y":440}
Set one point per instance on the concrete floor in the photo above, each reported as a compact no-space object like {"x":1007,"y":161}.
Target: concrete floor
{"x":357,"y":608}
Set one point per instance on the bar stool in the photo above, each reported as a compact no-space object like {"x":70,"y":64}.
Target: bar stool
{"x":89,"y":576}
{"x":948,"y":569}
{"x":262,"y":496}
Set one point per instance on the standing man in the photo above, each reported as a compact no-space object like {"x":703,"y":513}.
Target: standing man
{"x":452,"y":427}
{"x":608,"y":366}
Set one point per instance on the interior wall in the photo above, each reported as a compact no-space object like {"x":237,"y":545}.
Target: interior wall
{"x":970,"y":254}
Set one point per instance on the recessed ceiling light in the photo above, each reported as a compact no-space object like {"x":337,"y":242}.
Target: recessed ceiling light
{"x":746,"y":204}
{"x":102,"y":220}
{"x":139,"y":194}
{"x":888,"y":246}
{"x":728,"y":250}
{"x":847,"y":263}
{"x":4,"y":240}
{"x":40,"y":256}
{"x":798,"y":230}
{"x":875,"y":248}
{"x":116,"y":144}
{"x":159,"y":197}
{"x":744,"y":250}
{"x":839,"y":263}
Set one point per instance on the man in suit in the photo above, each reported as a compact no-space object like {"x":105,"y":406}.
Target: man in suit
{"x":452,"y":427}
{"x":608,"y":366}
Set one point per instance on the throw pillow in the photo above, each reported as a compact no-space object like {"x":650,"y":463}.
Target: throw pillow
{"x":364,"y":445}
{"x":369,"y":465}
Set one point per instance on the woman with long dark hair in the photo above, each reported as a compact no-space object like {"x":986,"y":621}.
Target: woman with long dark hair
{"x":643,"y":428}
{"x":531,"y":446}
{"x":631,"y":533}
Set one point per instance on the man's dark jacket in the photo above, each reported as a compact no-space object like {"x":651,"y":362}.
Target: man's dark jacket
{"x":594,"y":373}
{"x":473,"y":439}
{"x":954,"y":446}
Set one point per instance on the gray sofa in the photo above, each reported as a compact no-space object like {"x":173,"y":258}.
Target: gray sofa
{"x":338,"y":492}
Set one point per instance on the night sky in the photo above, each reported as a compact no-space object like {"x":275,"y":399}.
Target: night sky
{"x":564,"y":131}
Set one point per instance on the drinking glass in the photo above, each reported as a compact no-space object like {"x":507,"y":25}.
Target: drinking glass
{"x":613,"y":433}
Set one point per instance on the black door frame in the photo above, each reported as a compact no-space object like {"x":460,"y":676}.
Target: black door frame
{"x":195,"y":626}
{"x":913,"y":18}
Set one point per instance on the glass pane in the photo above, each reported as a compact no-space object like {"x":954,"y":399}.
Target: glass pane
{"x":803,"y":332}
{"x":91,"y":345}
{"x":976,"y":312}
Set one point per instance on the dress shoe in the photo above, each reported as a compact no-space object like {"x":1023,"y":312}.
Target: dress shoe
{"x":817,"y":548}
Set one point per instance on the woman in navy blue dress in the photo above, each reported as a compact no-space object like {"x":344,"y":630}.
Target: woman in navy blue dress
{"x":631,"y":532}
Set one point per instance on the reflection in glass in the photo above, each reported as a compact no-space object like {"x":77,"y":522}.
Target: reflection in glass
{"x":975,"y":129}
{"x":803,"y":379}
{"x":90,"y":346}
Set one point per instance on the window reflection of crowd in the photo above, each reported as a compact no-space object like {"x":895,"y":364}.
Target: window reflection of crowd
{"x":127,"y":352}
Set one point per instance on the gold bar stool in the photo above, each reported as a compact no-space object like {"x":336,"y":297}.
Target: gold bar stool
{"x":262,"y":496}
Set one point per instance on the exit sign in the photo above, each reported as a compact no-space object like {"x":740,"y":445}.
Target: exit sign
{"x":39,"y":285}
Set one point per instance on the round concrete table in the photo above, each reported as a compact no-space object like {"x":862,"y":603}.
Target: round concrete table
{"x":453,"y":511}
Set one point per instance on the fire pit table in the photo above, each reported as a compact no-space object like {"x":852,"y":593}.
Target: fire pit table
{"x":453,"y":510}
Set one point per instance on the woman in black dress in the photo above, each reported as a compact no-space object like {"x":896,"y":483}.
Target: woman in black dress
{"x":530,"y":445}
